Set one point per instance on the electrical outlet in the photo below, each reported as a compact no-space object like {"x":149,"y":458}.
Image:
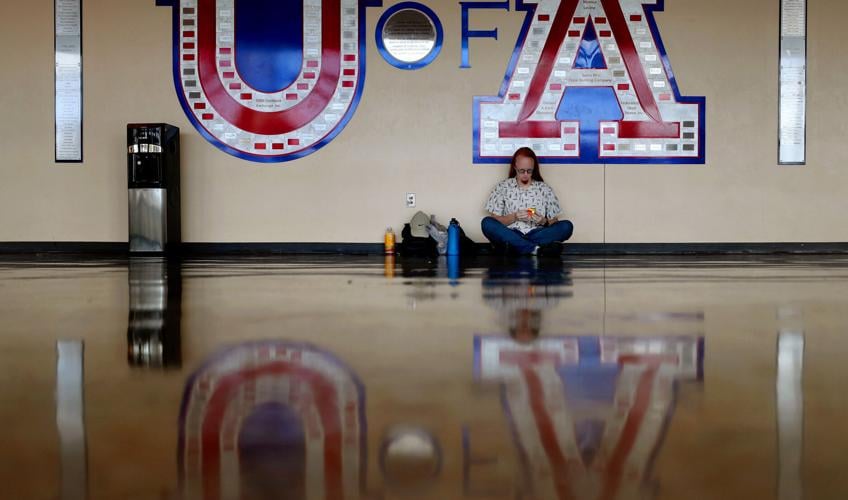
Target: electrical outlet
{"x":410,"y":200}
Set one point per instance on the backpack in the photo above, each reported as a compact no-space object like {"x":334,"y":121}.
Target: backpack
{"x":466,"y":244}
{"x":414,"y":246}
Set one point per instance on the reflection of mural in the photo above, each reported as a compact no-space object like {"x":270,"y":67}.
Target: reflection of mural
{"x":267,"y":419}
{"x":588,"y":413}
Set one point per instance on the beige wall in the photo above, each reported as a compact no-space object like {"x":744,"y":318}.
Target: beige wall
{"x":353,"y":188}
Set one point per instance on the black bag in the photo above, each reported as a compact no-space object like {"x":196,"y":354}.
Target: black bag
{"x":415,"y":246}
{"x":466,"y":244}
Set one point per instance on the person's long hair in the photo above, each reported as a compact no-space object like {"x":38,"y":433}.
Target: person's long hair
{"x":527,"y":153}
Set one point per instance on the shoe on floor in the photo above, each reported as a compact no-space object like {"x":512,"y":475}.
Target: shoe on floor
{"x":550,"y":249}
{"x":499,"y":250}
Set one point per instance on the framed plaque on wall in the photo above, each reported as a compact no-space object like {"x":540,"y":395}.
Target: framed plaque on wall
{"x":68,"y":80}
{"x":792,"y":114}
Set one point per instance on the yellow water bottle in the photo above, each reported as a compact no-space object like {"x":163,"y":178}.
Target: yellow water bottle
{"x":389,"y":241}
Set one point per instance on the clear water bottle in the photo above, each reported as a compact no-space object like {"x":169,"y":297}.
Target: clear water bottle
{"x":439,"y":233}
{"x":453,"y":237}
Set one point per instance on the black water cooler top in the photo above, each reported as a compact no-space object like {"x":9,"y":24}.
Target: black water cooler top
{"x":149,"y":147}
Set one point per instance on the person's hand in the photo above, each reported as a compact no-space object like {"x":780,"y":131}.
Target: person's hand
{"x":523,"y":215}
{"x":537,"y":219}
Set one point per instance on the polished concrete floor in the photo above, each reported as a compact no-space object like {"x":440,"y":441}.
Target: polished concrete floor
{"x":364,"y":377}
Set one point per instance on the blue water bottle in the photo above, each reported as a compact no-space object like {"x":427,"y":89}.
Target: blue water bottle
{"x":453,"y":237}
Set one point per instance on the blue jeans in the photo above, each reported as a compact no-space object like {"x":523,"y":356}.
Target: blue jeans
{"x":524,"y":244}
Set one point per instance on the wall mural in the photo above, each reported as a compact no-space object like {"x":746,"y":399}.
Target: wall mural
{"x":265,"y":80}
{"x":588,"y":82}
{"x":266,"y":417}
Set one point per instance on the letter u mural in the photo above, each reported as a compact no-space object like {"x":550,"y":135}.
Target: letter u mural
{"x":268,"y":80}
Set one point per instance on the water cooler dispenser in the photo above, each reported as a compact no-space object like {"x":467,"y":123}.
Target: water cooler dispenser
{"x":153,"y":181}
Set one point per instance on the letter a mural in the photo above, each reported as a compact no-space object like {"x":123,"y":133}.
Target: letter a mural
{"x":589,"y":82}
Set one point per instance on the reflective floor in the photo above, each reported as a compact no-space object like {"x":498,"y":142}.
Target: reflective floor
{"x":364,"y":377}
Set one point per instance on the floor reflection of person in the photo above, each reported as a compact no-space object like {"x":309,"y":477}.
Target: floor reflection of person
{"x":524,"y":211}
{"x":522,"y":289}
{"x":525,"y":325}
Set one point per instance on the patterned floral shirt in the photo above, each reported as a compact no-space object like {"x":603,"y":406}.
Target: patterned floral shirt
{"x":508,"y":197}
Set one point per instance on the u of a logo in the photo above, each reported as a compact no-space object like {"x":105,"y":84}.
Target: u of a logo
{"x":269,"y":81}
{"x":589,"y":82}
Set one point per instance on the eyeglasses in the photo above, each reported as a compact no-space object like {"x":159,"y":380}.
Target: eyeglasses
{"x":524,"y":170}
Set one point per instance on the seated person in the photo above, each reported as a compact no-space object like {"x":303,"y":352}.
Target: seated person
{"x":524,"y":211}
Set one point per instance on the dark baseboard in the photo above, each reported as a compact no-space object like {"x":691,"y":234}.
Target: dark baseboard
{"x":705,"y":248}
{"x":588,"y":249}
{"x":281,"y":248}
{"x":77,"y":247}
